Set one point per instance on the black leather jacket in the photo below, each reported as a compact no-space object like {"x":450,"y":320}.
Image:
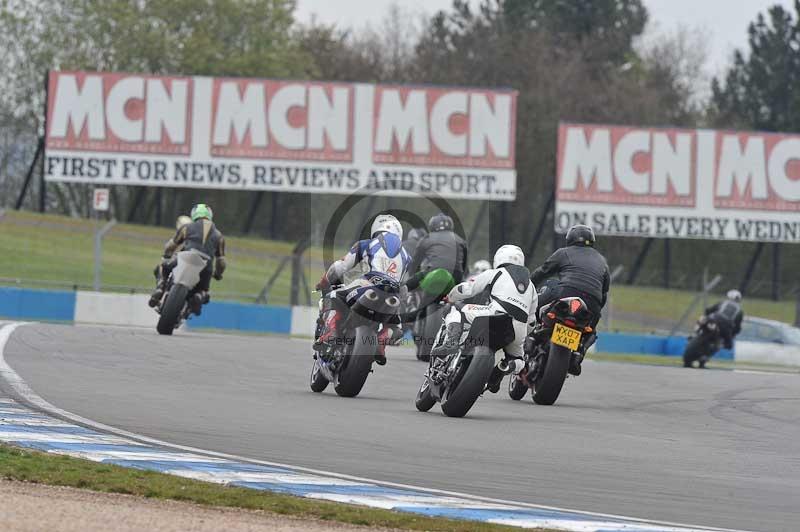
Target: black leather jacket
{"x":728,"y":314}
{"x":441,"y":249}
{"x":580,"y":267}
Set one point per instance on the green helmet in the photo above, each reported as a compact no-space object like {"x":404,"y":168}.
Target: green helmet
{"x":201,"y":210}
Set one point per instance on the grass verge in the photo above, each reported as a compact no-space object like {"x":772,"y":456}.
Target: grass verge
{"x":42,"y":468}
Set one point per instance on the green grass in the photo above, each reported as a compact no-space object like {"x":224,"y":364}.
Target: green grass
{"x":669,"y":305}
{"x":58,"y":251}
{"x":41,"y":468}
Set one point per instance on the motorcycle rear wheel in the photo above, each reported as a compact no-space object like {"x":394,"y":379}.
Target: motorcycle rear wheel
{"x":516,"y":388}
{"x":547,"y":387}
{"x":459,"y":400}
{"x":358,"y":363}
{"x":171,"y":311}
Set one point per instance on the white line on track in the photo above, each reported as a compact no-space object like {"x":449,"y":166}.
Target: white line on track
{"x":21,"y":388}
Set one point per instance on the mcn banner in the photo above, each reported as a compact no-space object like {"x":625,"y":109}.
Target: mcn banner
{"x":679,"y":183}
{"x":295,"y":136}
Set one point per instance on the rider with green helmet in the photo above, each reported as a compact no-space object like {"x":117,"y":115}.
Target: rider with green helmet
{"x":201,"y":234}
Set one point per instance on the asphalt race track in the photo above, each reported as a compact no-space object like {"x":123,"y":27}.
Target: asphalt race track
{"x":712,"y":448}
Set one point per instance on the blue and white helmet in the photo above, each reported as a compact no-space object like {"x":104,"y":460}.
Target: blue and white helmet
{"x":386,"y":223}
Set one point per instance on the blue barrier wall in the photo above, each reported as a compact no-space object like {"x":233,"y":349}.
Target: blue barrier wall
{"x":648,"y":344}
{"x":243,"y":317}
{"x":22,"y":303}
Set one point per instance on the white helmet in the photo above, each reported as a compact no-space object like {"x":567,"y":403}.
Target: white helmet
{"x":509,"y":254}
{"x":182,"y":220}
{"x":481,"y":266}
{"x":386,"y":223}
{"x":734,"y":295}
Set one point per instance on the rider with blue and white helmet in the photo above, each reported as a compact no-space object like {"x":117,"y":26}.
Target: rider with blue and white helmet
{"x":386,"y":261}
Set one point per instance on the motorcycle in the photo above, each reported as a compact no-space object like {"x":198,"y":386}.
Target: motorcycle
{"x":426,"y":327}
{"x":563,"y":333}
{"x":705,"y":341}
{"x":436,"y":284}
{"x":456,"y":381}
{"x":174,"y":306}
{"x":348,"y":361}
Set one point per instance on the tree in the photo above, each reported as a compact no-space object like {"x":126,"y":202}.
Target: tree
{"x":761,"y":89}
{"x":201,"y":37}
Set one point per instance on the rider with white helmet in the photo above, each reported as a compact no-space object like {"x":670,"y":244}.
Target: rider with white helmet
{"x":728,"y":316}
{"x":505,"y":287}
{"x":383,"y":255}
{"x":479,"y":267}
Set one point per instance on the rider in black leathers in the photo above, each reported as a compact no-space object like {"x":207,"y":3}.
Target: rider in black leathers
{"x":577,"y":270}
{"x":728,"y":316}
{"x":580,"y":270}
{"x":441,"y":248}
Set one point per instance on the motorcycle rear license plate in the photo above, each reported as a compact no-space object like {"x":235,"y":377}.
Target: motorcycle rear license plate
{"x":566,"y":337}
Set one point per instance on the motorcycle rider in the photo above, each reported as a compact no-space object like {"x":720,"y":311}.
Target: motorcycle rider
{"x":384,"y":255}
{"x":580,"y":271}
{"x":441,"y":248}
{"x":728,"y":316}
{"x":163,"y":269}
{"x":479,"y":267}
{"x":505,"y":287}
{"x":200,"y":234}
{"x":412,"y":241}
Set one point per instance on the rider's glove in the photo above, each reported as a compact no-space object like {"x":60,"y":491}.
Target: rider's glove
{"x":324,"y":284}
{"x":218,"y":275}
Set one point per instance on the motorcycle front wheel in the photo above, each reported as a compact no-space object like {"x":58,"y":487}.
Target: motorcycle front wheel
{"x":425,"y":399}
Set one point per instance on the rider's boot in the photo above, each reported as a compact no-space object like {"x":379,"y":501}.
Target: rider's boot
{"x":506,"y":366}
{"x":384,"y":338}
{"x":330,"y":332}
{"x":158,"y":293}
{"x":196,"y":303}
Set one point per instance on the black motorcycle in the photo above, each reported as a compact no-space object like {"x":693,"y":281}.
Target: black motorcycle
{"x":347,"y":362}
{"x":456,"y":381}
{"x":706,"y":340}
{"x":563,"y":333}
{"x":174,"y":306}
{"x":426,"y":327}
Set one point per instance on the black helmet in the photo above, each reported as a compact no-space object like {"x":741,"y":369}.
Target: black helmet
{"x":580,"y":235}
{"x":440,"y":222}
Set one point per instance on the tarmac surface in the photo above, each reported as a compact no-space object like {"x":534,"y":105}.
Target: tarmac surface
{"x":713,"y":448}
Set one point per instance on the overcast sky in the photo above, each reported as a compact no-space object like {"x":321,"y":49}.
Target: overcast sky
{"x":723,"y":21}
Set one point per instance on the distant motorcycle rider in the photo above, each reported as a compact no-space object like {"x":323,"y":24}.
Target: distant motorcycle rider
{"x":507,"y":288}
{"x":202,"y":235}
{"x":384,"y":255}
{"x":728,"y":316}
{"x":412,"y":241}
{"x":479,"y":267}
{"x":441,"y":248}
{"x":577,"y":270}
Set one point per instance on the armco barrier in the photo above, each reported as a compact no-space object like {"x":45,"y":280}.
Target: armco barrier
{"x":25,"y":304}
{"x":243,"y":317}
{"x":648,"y":344}
{"x":114,"y":309}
